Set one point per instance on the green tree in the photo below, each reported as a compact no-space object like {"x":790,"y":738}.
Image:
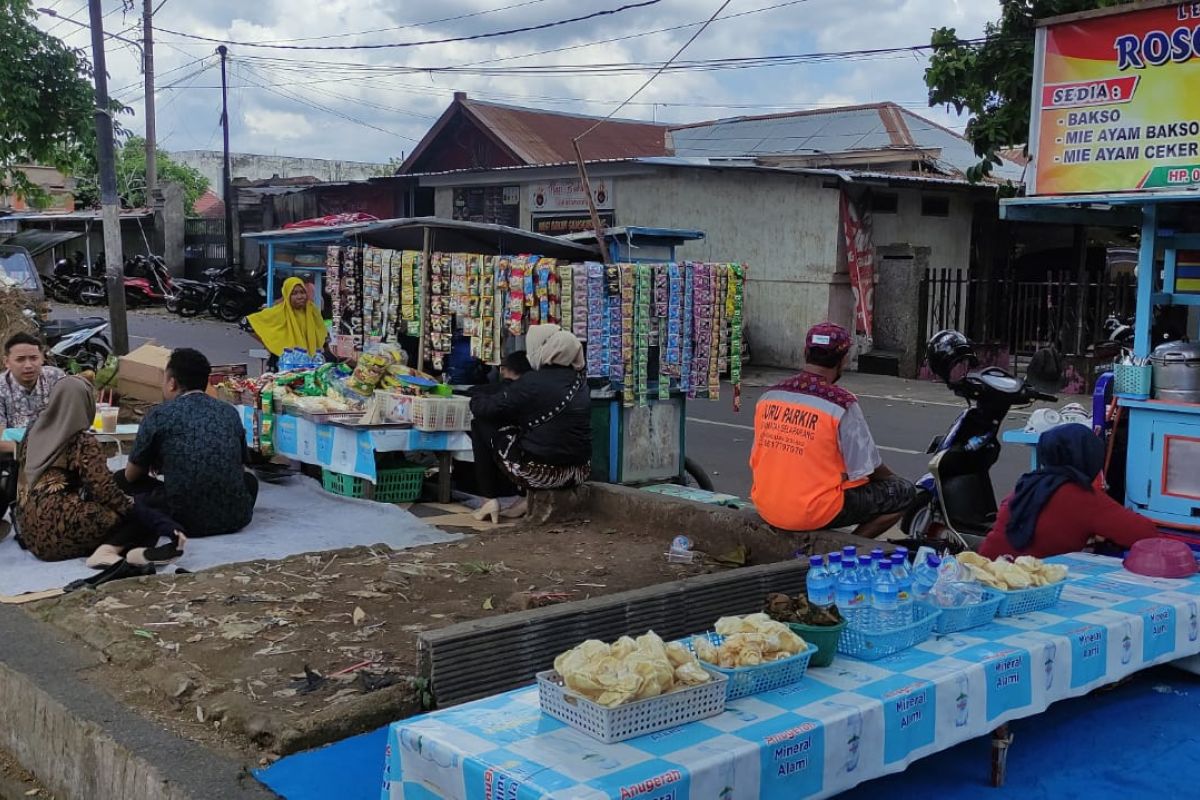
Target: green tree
{"x":46,"y":101}
{"x":992,"y":79}
{"x":131,"y":177}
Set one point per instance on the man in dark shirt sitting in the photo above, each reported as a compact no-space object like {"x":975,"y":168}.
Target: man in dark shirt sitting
{"x":198,"y":446}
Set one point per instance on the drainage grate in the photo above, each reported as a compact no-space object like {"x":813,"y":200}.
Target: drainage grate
{"x":483,"y":657}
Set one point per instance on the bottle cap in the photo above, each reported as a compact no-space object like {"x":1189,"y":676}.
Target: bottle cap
{"x":849,"y":551}
{"x":901,"y":550}
{"x":816,"y":561}
{"x":933,"y":561}
{"x":886,"y":566}
{"x":834,"y":556}
{"x":864,"y":561}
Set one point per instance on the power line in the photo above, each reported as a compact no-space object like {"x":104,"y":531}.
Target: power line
{"x":650,"y":80}
{"x":319,"y":107}
{"x":394,"y":45}
{"x":401,"y":27}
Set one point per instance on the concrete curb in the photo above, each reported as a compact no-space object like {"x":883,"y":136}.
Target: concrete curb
{"x":83,"y":744}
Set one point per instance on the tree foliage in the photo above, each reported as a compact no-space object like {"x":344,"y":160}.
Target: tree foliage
{"x":131,"y":177}
{"x":46,"y":101}
{"x":992,"y":80}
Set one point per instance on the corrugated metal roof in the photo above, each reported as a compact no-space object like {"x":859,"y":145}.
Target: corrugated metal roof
{"x":545,"y":137}
{"x":880,"y":127}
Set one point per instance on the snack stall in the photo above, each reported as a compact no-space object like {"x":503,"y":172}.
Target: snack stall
{"x":657,"y":332}
{"x":635,"y":718}
{"x":1111,"y":146}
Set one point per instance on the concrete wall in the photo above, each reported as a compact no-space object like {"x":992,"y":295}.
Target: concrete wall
{"x":443,"y":204}
{"x":785,"y":227}
{"x":259,"y":167}
{"x":948,"y":238}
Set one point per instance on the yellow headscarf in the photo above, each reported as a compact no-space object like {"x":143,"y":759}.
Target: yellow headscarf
{"x":282,"y":326}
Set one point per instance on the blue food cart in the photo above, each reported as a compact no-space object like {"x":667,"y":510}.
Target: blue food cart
{"x":1108,"y":149}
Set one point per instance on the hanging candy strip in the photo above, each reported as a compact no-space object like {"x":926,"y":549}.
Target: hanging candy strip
{"x":580,"y":309}
{"x":735,"y":299}
{"x":641,"y":329}
{"x":597,"y":334}
{"x":566,"y":297}
{"x":686,"y":334}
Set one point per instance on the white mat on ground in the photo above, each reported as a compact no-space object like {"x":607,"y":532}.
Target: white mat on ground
{"x":289,"y":518}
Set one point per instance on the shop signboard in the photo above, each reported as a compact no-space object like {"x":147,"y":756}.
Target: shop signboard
{"x":563,"y":224}
{"x":1114,"y":106}
{"x":563,"y":196}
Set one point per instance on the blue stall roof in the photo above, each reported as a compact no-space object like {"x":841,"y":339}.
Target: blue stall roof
{"x":631,"y":232}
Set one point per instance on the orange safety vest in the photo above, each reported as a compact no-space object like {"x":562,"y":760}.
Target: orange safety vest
{"x":799,"y":473}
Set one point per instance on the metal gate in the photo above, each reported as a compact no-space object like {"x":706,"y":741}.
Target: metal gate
{"x":1024,"y":316}
{"x":203,"y":246}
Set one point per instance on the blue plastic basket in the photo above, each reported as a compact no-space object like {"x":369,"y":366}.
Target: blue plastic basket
{"x":1133,"y":381}
{"x":963,"y":618}
{"x":744,"y":681}
{"x":869,"y":642}
{"x":1024,"y":601}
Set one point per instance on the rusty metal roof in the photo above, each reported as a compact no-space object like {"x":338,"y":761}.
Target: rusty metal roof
{"x":875,"y":127}
{"x":533,"y":136}
{"x":544,"y":137}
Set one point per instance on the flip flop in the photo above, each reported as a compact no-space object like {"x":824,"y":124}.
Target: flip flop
{"x":118,"y":571}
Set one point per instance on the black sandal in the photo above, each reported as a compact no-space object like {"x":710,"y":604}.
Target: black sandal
{"x":118,"y":571}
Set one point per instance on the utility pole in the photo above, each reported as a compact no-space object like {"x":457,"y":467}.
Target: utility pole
{"x":110,"y":203}
{"x":225,"y":179}
{"x":148,"y":69}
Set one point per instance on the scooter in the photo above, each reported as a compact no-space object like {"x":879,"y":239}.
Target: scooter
{"x":234,"y":298}
{"x":956,"y":505}
{"x":80,"y":340}
{"x":147,"y":281}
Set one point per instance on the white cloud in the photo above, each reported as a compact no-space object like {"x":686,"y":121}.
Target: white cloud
{"x":290,"y":102}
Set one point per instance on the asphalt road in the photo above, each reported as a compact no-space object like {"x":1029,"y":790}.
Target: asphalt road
{"x":904,"y":415}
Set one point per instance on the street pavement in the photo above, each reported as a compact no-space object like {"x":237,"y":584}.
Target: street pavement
{"x":904,"y":415}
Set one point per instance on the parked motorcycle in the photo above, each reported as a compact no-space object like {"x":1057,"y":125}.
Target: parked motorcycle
{"x":236,"y":297}
{"x":82,"y":341}
{"x":956,"y":505}
{"x":192,"y":297}
{"x":147,"y":281}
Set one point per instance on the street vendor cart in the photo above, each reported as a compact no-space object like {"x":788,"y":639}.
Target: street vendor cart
{"x":1109,"y":148}
{"x":658,"y":332}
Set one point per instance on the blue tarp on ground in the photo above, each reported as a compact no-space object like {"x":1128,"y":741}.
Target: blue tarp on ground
{"x":1136,"y":742}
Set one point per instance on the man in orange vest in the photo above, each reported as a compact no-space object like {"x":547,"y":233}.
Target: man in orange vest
{"x":814,"y":460}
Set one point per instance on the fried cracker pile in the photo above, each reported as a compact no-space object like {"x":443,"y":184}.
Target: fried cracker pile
{"x":749,"y":641}
{"x":629,"y":669}
{"x":1026,"y":572}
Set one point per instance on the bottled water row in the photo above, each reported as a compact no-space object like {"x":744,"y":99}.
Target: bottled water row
{"x":870,"y":591}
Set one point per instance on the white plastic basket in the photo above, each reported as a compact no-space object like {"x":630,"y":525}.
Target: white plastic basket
{"x":441,"y":413}
{"x":395,"y":407}
{"x":631,"y":719}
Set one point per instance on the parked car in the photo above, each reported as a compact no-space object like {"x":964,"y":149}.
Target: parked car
{"x":17,"y":265}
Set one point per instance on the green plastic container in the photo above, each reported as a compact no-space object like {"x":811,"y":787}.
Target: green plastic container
{"x":825,"y":637}
{"x":395,"y":485}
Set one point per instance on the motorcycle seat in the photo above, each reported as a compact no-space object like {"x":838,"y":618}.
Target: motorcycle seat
{"x":56,"y":329}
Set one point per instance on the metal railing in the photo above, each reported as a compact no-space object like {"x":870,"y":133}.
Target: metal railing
{"x":1025,"y":315}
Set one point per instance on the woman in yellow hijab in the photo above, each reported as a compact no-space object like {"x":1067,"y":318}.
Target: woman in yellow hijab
{"x":293,"y":322}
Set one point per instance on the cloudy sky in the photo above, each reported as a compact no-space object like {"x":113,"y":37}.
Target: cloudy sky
{"x":374,"y":104}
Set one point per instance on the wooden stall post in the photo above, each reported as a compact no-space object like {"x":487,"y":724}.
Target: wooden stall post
{"x":1001,"y":740}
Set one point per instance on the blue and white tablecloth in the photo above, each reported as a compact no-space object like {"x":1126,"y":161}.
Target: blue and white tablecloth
{"x":840,"y":726}
{"x":349,"y":451}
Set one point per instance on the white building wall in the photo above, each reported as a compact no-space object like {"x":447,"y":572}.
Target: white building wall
{"x":948,"y":238}
{"x":784,"y":227}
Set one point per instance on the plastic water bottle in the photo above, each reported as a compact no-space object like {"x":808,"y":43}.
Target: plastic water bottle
{"x":885,"y":597}
{"x":849,"y":557}
{"x":834,"y":567}
{"x":848,"y":595}
{"x":876,"y":558}
{"x":904,"y":582}
{"x":866,"y":579}
{"x":924,"y":577}
{"x":821,"y":591}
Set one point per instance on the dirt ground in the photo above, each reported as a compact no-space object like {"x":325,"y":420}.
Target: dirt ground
{"x":266,"y":658}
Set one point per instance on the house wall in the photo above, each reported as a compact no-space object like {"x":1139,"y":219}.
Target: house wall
{"x":948,"y":238}
{"x":784,"y":227}
{"x":787,"y":229}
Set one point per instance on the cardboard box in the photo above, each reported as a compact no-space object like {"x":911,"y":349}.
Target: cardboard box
{"x":140,"y":374}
